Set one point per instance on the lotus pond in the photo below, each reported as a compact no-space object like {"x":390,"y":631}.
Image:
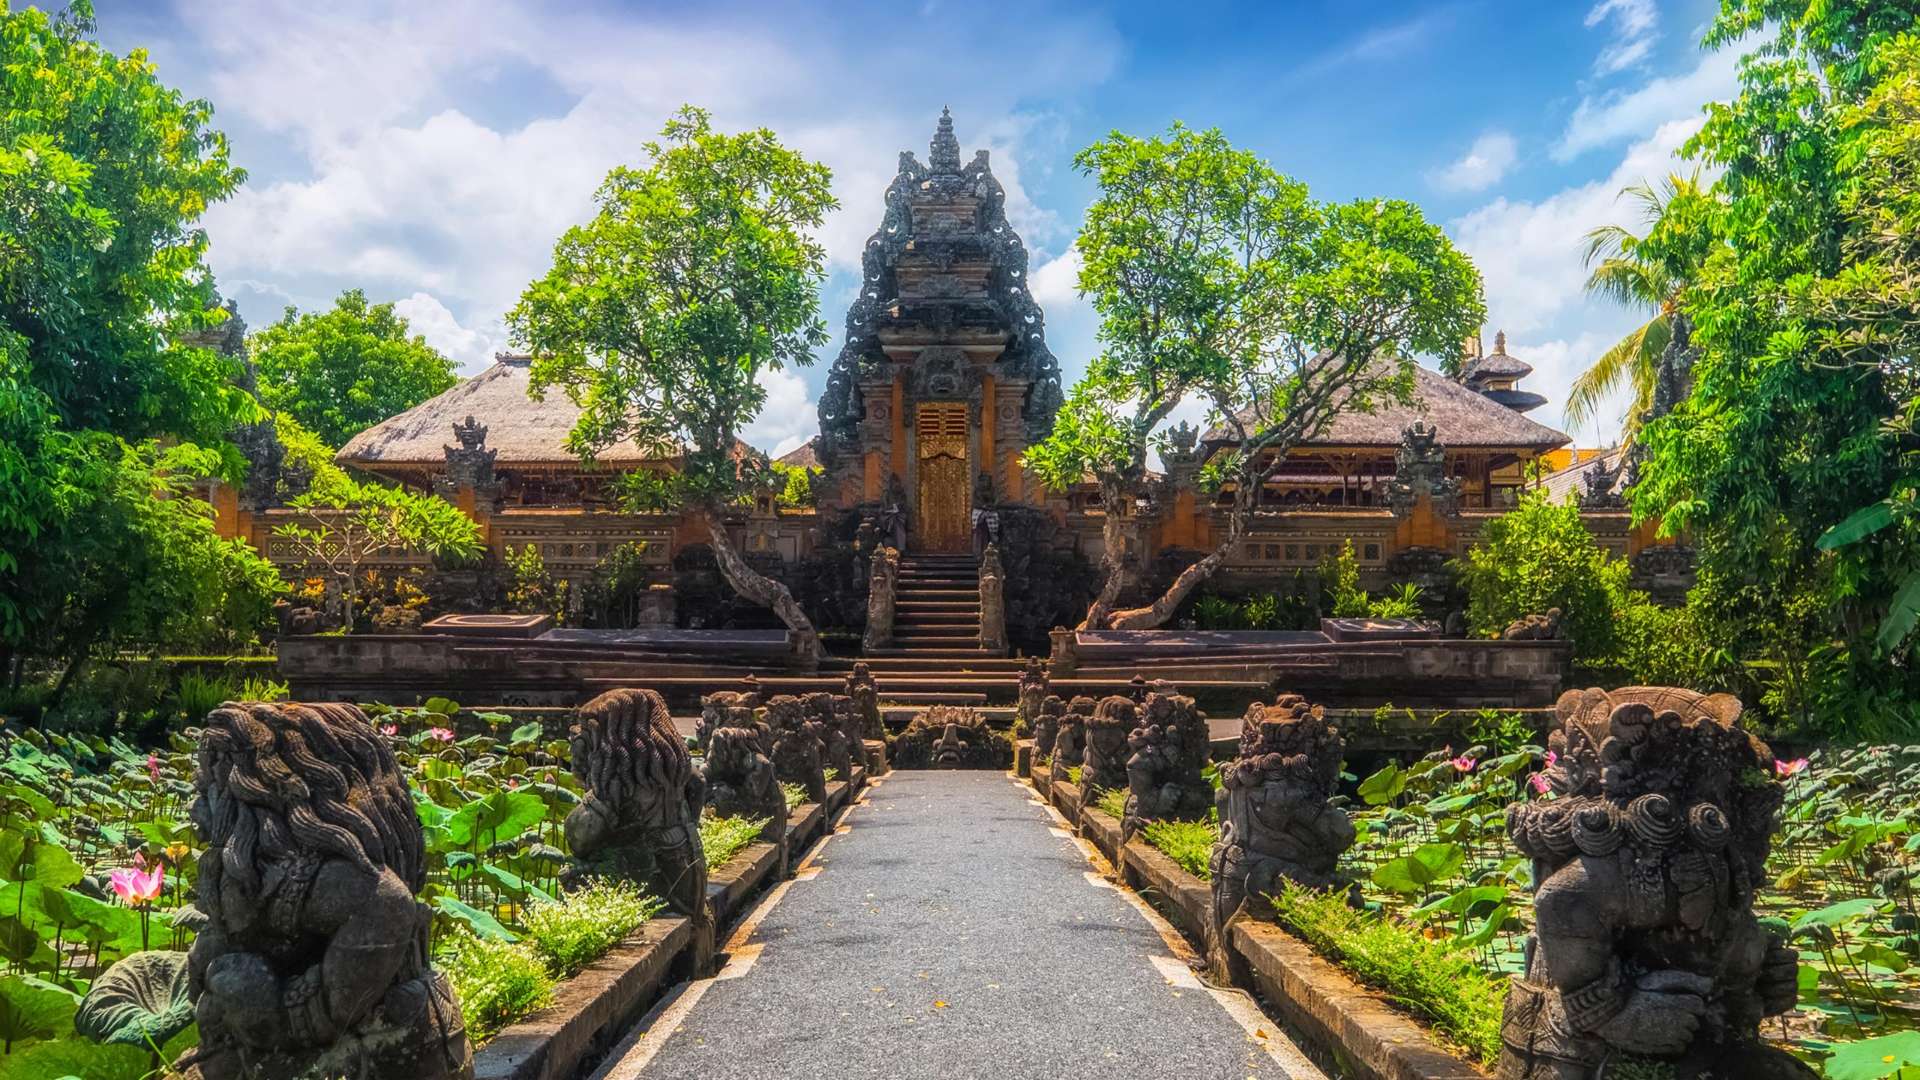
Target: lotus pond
{"x":98,"y":862}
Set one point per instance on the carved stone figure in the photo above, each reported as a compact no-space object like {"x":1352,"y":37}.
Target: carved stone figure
{"x":639,"y":816}
{"x":836,"y":750}
{"x":883,"y":573}
{"x":1165,"y":772}
{"x":1275,"y":820}
{"x":470,"y":465}
{"x":993,"y":602}
{"x":297,"y":620}
{"x":798,"y":748}
{"x":1600,"y":486}
{"x":313,"y":959}
{"x":1046,"y":726}
{"x":723,"y":709}
{"x":1420,"y":468}
{"x":1070,"y":739}
{"x":1646,"y":858}
{"x":846,"y":716}
{"x":1104,"y":766}
{"x":1546,"y":627}
{"x":1032,"y":692}
{"x":866,"y":701}
{"x":951,"y":737}
{"x":738,"y":780}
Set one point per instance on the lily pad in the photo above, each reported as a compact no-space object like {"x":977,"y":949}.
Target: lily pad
{"x":139,"y":1001}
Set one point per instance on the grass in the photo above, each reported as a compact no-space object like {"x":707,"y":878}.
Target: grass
{"x":575,"y":932}
{"x":724,"y":837}
{"x":795,"y":794}
{"x":1438,"y":980}
{"x":832,"y":775}
{"x":1188,"y":843}
{"x":1112,"y":803}
{"x":497,"y":982}
{"x":1073,"y":775}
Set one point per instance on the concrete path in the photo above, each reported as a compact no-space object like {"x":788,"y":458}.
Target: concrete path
{"x":953,"y":930}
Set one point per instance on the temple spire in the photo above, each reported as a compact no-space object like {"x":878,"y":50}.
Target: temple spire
{"x":943,"y":153}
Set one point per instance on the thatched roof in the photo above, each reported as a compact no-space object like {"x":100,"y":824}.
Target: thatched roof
{"x":1572,"y":480}
{"x":1464,"y":418}
{"x":804,"y":456}
{"x":520,"y":430}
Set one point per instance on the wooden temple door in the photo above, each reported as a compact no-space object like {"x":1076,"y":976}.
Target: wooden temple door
{"x":946,"y":486}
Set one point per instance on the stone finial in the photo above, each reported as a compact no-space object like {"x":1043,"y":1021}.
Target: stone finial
{"x":837,"y":751}
{"x":865,"y":693}
{"x":1500,"y":343}
{"x":1180,"y":455}
{"x":943,"y":153}
{"x":993,"y":602}
{"x":1070,"y":736}
{"x":1646,"y":852}
{"x":470,"y":464}
{"x":1046,"y":725}
{"x":639,"y":816}
{"x":1420,"y":468}
{"x":1034,"y":687}
{"x":314,"y":958}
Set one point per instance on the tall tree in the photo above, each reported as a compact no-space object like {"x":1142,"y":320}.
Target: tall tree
{"x":104,"y":172}
{"x":1645,"y":272}
{"x":699,"y":273}
{"x":342,"y":371}
{"x":1217,"y":277}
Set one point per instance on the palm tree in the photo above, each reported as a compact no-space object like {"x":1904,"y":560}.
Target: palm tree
{"x":1649,"y":272}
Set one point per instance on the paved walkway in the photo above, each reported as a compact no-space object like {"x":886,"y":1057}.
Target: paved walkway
{"x":954,"y":931}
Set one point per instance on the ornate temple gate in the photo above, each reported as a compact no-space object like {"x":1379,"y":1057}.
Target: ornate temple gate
{"x":940,"y":428}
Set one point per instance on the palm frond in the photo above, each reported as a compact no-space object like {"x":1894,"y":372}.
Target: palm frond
{"x":1621,"y":363}
{"x":1630,"y":284}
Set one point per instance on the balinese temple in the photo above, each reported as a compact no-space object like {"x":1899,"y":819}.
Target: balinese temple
{"x":944,"y":380}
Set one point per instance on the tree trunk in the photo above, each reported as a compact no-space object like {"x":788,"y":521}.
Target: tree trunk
{"x":1113,"y":560}
{"x":763,"y":590}
{"x":1158,"y":612}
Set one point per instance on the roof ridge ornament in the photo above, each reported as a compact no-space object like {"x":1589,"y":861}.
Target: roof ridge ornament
{"x":943,"y":153}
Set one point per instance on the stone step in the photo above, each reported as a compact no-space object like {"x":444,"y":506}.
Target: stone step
{"x":913,"y":595}
{"x":914,"y":628}
{"x":905,"y":665}
{"x":922,"y":618}
{"x":932,"y":697}
{"x":933,"y":654}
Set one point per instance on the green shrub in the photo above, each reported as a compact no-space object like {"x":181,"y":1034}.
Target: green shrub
{"x":574,"y":932}
{"x":1433,"y":977}
{"x":497,"y":982}
{"x":721,"y":838}
{"x":1073,"y":775}
{"x":1112,"y":803}
{"x":1188,"y":843}
{"x":196,"y":695}
{"x":795,"y":794}
{"x":1538,"y":556}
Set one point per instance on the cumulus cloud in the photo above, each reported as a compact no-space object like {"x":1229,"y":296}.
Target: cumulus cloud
{"x":1055,"y":283}
{"x":468,"y":348}
{"x":1484,"y":163}
{"x":789,"y":418}
{"x":1635,"y":24}
{"x":1619,"y":117}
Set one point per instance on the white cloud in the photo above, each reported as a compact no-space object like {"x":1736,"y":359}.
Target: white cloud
{"x":1635,"y":25}
{"x":1055,"y":284}
{"x":1556,"y":363}
{"x":789,"y":418}
{"x":1485,"y":162}
{"x":1613,"y":118}
{"x":470,"y":349}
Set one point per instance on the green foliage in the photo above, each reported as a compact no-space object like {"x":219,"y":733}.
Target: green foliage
{"x":1112,"y":803}
{"x":1188,"y":843}
{"x":794,"y":794}
{"x":1340,"y":576}
{"x":341,"y":371}
{"x":1436,"y":977}
{"x":104,"y":172}
{"x":796,"y":484}
{"x":497,"y":982}
{"x":1539,"y":556}
{"x":570,"y":934}
{"x":723,"y":838}
{"x":342,"y":527}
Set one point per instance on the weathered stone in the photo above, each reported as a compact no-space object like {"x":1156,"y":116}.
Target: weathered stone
{"x":1166,"y":772}
{"x":724,"y":709}
{"x":313,"y":959}
{"x":993,"y":602}
{"x":1275,"y":819}
{"x":1070,"y":738}
{"x":866,"y":700}
{"x":1104,"y":764}
{"x":951,"y":737}
{"x":798,"y":746}
{"x":1064,"y":657}
{"x":1548,"y":627}
{"x":1420,"y":470}
{"x":1046,"y":725}
{"x":1646,"y":856}
{"x":639,"y":816}
{"x":883,"y":575}
{"x":1033,"y":690}
{"x":836,"y":749}
{"x":738,"y":780}
{"x":469,"y":466}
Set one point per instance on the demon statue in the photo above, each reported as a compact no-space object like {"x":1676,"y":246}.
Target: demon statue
{"x":836,"y":750}
{"x":951,"y":737}
{"x":866,"y":698}
{"x":1645,"y":857}
{"x":313,"y":960}
{"x":1104,"y":766}
{"x":1165,"y":773}
{"x":1046,"y":725}
{"x":1275,"y":819}
{"x":725,"y":708}
{"x":1070,"y":738}
{"x":738,"y":780}
{"x":799,"y":748}
{"x":1033,"y":691}
{"x":639,"y":815}
{"x":1548,"y":627}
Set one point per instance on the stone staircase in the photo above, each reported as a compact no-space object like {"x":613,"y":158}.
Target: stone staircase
{"x":936,"y":609}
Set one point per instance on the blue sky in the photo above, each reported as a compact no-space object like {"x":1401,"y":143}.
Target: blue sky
{"x":432,"y":153}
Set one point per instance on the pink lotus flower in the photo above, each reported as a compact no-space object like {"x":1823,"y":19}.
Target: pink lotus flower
{"x":138,"y":884}
{"x":1464,"y":763}
{"x":1552,"y":759}
{"x":389,"y":729}
{"x":1539,"y":782}
{"x":1789,"y":769}
{"x":513,"y":785}
{"x":153,"y":767}
{"x":441,"y":734}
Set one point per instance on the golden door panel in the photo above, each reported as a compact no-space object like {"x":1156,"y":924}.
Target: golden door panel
{"x":940,"y":429}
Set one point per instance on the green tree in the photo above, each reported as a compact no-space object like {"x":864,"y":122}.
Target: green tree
{"x":1216,"y":276}
{"x":1538,"y":556}
{"x":104,"y":172}
{"x":1800,"y":411}
{"x":344,"y":526}
{"x":1644,"y":272}
{"x":698,"y":274}
{"x":342,"y":371}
